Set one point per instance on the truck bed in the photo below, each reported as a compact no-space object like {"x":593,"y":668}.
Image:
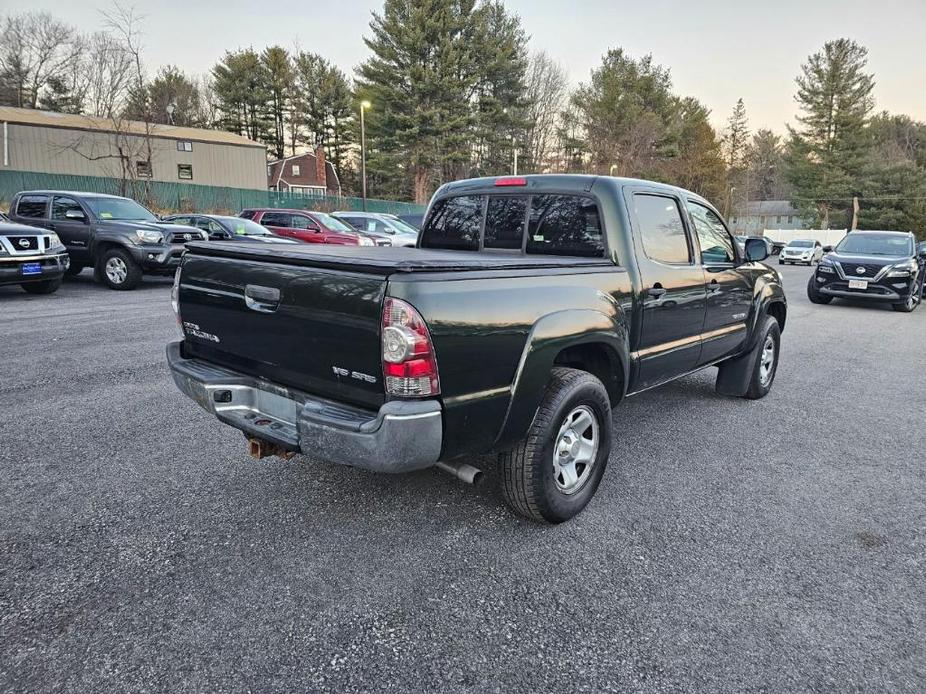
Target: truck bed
{"x":385,"y":261}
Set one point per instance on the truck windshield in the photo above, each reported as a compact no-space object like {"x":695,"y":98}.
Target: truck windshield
{"x":119,"y":210}
{"x":876,"y":244}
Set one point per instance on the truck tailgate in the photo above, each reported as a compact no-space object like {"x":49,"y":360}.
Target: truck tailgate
{"x":315,"y":329}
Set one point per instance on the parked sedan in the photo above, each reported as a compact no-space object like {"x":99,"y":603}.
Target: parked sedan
{"x":400,"y":233}
{"x":805,"y":251}
{"x":311,"y":227}
{"x":223,"y":228}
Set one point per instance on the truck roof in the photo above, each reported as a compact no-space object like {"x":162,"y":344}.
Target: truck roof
{"x":75,"y":193}
{"x":571,"y":183}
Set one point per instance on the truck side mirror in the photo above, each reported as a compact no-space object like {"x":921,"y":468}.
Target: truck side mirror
{"x":827,"y":249}
{"x":76,"y":215}
{"x":756,"y":249}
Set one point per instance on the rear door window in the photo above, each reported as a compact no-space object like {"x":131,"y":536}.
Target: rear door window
{"x":32,"y":206}
{"x":505,"y":222}
{"x":662,"y":231}
{"x":565,"y":225}
{"x":277,"y":219}
{"x":454,"y":223}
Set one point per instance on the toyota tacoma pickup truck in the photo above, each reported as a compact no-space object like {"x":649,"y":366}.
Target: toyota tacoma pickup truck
{"x":117,"y":237}
{"x":529,"y":308}
{"x":34,"y":259}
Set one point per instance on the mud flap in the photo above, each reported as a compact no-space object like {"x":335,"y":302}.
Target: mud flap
{"x":733,"y":376}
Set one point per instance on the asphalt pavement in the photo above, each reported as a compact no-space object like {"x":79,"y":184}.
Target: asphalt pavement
{"x":773,"y":545}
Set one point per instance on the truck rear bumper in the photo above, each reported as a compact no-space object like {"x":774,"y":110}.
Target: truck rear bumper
{"x":401,"y":436}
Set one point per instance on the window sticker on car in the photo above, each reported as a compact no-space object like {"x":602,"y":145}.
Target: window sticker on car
{"x":239,"y":230}
{"x":106,"y":215}
{"x":538,"y":237}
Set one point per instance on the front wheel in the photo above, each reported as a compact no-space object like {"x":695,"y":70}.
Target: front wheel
{"x":118,"y":270}
{"x":815,"y":296}
{"x":763,"y":374}
{"x":552,"y":473}
{"x":43,"y":287}
{"x":911,"y":302}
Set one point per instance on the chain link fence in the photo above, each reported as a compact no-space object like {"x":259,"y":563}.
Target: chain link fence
{"x":165,"y":197}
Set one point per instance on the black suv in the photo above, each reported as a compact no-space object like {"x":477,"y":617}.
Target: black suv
{"x":115,"y":236}
{"x":33,"y":259}
{"x":873,"y":265}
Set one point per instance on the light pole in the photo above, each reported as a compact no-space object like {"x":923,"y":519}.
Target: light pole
{"x":364,"y":105}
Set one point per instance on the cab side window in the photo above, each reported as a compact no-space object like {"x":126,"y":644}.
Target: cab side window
{"x":32,"y":206}
{"x":61,"y":206}
{"x":715,"y":241}
{"x":662,"y":231}
{"x":301,"y":222}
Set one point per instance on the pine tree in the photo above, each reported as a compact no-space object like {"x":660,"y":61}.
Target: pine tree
{"x":420,"y":81}
{"x":827,"y":150}
{"x":734,"y":142}
{"x":735,"y":137}
{"x":278,"y":71}
{"x":240,"y":86}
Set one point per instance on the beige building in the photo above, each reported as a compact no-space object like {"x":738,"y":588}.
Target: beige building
{"x":58,"y":143}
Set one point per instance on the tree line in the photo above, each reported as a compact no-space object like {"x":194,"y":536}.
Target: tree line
{"x":455,"y":91}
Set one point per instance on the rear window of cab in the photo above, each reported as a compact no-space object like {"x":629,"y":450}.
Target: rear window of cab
{"x":544,"y":224}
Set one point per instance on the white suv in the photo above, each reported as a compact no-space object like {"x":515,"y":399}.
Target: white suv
{"x":804,"y":251}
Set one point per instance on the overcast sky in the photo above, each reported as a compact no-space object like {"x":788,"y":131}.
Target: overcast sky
{"x":717,"y":51}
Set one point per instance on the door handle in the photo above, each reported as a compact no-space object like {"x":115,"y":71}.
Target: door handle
{"x":713,"y":286}
{"x":656,"y":291}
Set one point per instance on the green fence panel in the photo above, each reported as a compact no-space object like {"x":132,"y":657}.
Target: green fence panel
{"x":167,"y":197}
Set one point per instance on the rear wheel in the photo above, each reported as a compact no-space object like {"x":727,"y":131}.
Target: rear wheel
{"x":815,"y":296}
{"x":43,"y":287}
{"x":552,"y":473}
{"x":117,"y":270}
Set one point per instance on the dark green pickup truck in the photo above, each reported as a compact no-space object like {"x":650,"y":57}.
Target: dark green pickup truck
{"x":529,"y":309}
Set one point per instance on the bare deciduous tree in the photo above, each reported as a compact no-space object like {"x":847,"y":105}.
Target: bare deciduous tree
{"x":35,"y":49}
{"x":108,"y":72}
{"x":547,"y":92}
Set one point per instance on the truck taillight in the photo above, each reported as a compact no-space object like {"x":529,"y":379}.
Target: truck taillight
{"x":409,"y":365}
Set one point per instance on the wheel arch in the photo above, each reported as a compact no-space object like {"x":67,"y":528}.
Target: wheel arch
{"x":582,"y":339}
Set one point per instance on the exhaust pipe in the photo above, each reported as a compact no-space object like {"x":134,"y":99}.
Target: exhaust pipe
{"x":259,"y":449}
{"x":462,"y":471}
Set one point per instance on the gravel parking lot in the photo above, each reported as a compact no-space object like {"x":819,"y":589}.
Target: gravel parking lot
{"x":775,"y":545}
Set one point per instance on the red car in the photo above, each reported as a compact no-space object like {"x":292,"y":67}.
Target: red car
{"x":311,"y":227}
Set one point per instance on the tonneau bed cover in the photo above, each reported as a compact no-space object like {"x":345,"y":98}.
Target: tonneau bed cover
{"x":381,"y":260}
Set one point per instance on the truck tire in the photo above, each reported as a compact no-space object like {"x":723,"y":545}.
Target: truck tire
{"x":766,"y":366}
{"x":44,"y":287}
{"x":553,"y":472}
{"x":74,"y":269}
{"x":117,"y":270}
{"x":815,"y":296}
